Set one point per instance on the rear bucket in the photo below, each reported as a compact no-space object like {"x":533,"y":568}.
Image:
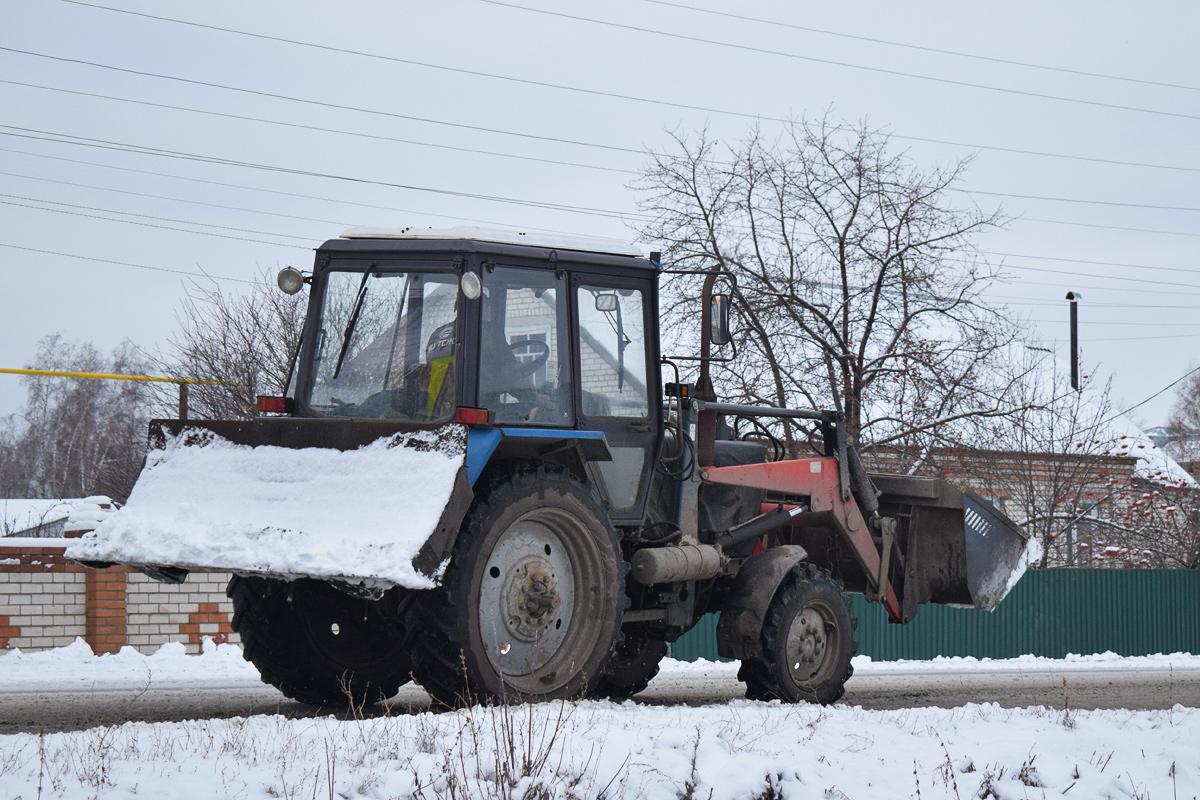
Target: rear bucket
{"x":965,"y":550}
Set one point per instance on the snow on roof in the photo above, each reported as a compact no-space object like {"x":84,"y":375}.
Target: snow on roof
{"x":19,"y":516}
{"x":1153,"y":463}
{"x":564,"y":241}
{"x":1085,"y":422}
{"x":26,"y":516}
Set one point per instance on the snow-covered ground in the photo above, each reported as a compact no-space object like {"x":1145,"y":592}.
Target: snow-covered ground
{"x":592,"y":749}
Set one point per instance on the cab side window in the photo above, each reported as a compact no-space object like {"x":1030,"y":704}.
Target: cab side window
{"x":612,"y":352}
{"x":524,"y":367}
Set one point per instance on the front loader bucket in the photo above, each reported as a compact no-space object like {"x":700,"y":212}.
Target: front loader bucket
{"x":331,"y":499}
{"x":960,"y":549}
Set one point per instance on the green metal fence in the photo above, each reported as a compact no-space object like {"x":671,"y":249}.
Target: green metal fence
{"x":1050,"y":612}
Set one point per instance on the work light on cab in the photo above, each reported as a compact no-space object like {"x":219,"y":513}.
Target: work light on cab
{"x":289,"y":280}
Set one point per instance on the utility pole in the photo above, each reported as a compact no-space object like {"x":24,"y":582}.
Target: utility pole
{"x":1074,"y":297}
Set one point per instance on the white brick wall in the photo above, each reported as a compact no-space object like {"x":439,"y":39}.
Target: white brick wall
{"x":49,"y":612}
{"x":164,"y":612}
{"x":44,"y":604}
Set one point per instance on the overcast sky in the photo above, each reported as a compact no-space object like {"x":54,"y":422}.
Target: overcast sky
{"x":446,"y":110}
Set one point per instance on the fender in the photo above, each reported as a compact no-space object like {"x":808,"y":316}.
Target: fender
{"x":739,"y":631}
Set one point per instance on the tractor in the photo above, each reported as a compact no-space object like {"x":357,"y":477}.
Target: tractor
{"x":477,"y":478}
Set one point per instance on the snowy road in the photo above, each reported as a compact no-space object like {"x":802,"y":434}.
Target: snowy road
{"x":72,"y":690}
{"x":688,"y":736}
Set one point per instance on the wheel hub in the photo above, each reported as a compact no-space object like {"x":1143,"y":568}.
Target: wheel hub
{"x":531,"y":596}
{"x":806,"y":644}
{"x":526,"y":599}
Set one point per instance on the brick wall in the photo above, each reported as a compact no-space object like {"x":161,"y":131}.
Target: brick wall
{"x":47,"y":601}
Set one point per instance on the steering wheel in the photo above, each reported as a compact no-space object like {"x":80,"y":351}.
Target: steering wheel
{"x":521,"y":368}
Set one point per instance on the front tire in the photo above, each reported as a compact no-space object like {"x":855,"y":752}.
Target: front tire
{"x":807,"y":641}
{"x":319,"y":645}
{"x":530,"y":606}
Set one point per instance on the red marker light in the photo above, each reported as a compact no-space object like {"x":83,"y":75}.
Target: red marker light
{"x":471,"y":416}
{"x":274,"y":405}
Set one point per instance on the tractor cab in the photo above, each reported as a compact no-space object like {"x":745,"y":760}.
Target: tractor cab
{"x":548,"y":352}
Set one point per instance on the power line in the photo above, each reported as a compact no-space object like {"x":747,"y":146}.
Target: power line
{"x":171,"y":199}
{"x":1067,"y":199}
{"x":410,"y":211}
{"x":563,"y":87}
{"x":1141,"y":324}
{"x":1106,"y":227}
{"x":1023,"y":301}
{"x":1097,"y":263}
{"x":318,"y":128}
{"x":1103,"y":277}
{"x":320,"y":198}
{"x":1146,"y":339}
{"x":536,"y":159}
{"x":306,"y":101}
{"x":939,"y":51}
{"x":148,"y":216}
{"x":1174,"y":383}
{"x":1092,"y":287}
{"x":830,"y":62}
{"x":105,"y":144}
{"x":124,"y":263}
{"x":160,"y":227}
{"x":1065,"y":156}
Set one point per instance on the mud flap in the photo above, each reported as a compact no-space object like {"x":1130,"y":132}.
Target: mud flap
{"x":739,"y":631}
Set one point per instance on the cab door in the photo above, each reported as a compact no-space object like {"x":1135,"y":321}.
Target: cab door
{"x":617,"y":374}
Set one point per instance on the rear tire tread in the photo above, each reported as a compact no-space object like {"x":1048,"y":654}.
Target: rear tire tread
{"x":274,"y":640}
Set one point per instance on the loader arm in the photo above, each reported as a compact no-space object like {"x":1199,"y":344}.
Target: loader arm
{"x":817,"y":480}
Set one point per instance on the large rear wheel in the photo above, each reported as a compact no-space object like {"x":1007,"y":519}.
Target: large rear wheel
{"x":320,"y":645}
{"x":807,"y":641}
{"x":530,"y":605}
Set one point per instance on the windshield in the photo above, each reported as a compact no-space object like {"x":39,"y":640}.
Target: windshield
{"x":386,"y":346}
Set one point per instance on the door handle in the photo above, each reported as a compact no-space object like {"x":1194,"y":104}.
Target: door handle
{"x":639,"y":427}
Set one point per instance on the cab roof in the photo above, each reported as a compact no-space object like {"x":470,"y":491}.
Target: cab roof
{"x":472,"y":233}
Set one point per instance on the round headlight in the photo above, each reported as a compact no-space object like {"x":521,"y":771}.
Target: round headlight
{"x":471,"y":286}
{"x":290,"y":280}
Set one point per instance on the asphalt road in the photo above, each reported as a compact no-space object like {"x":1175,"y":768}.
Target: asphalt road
{"x":49,"y":709}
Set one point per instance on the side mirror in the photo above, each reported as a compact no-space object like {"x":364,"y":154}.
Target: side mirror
{"x":606,"y":302}
{"x":289,"y":280}
{"x":719,"y":320}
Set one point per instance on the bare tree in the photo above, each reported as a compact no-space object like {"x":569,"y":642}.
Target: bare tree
{"x":1052,"y":466}
{"x":244,"y":342}
{"x":1183,"y":426}
{"x":76,"y":437}
{"x":858,"y":286}
{"x":1076,"y":475}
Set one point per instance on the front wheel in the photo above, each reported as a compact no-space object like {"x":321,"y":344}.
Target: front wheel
{"x":807,"y":641}
{"x":530,"y":605}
